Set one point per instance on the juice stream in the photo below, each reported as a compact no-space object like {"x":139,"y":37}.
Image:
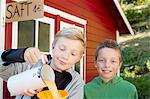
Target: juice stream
{"x":52,"y":87}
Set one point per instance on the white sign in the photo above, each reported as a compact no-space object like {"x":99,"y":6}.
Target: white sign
{"x":24,"y":10}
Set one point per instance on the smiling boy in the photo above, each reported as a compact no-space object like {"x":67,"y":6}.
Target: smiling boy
{"x":108,"y":61}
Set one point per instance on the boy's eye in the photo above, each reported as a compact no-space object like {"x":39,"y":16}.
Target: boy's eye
{"x":101,"y":60}
{"x":113,"y":61}
{"x":74,"y":54}
{"x":62,"y":48}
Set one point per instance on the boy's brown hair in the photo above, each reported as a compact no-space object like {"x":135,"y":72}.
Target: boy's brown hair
{"x":108,"y":44}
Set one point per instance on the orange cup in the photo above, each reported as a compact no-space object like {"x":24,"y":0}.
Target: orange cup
{"x":46,"y":94}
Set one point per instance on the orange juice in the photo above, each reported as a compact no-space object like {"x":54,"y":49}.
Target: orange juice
{"x":46,"y":94}
{"x":53,"y":88}
{"x":52,"y":93}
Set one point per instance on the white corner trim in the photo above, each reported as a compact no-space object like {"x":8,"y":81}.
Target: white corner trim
{"x":123,"y":16}
{"x":14,"y":34}
{"x":64,"y":15}
{"x":2,"y":37}
{"x":117,"y":40}
{"x":2,"y":23}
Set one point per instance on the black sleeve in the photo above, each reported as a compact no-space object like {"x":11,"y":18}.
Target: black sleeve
{"x":13,"y":55}
{"x":49,"y":57}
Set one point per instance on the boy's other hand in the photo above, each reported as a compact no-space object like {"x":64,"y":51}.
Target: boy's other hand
{"x":30,"y":92}
{"x":33,"y":55}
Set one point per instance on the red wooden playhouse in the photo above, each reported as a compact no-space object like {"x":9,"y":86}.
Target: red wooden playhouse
{"x":99,"y":19}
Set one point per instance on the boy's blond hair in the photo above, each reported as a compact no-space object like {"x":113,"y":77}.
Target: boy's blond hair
{"x":71,"y":33}
{"x":108,"y":44}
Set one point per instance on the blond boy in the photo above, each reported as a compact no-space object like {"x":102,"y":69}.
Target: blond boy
{"x":68,"y":49}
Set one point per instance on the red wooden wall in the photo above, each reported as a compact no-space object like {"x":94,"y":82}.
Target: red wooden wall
{"x":8,"y":40}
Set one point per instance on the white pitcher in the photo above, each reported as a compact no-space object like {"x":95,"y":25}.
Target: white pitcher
{"x":30,"y":79}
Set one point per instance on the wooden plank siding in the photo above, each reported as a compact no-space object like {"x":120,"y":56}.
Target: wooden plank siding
{"x":99,"y":26}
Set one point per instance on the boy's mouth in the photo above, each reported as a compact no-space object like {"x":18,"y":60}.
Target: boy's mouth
{"x":106,"y":71}
{"x":62,"y":62}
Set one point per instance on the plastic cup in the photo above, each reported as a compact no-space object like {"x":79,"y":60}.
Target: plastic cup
{"x":46,"y":94}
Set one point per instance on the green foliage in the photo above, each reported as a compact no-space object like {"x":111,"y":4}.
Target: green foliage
{"x":138,"y":13}
{"x":136,"y":51}
{"x":135,"y":2}
{"x":142,"y":84}
{"x":148,"y":65}
{"x":135,"y":16}
{"x":136,"y":64}
{"x":139,"y":2}
{"x":135,"y":57}
{"x":132,"y":15}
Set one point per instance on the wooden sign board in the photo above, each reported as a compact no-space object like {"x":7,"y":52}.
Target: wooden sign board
{"x":24,"y":10}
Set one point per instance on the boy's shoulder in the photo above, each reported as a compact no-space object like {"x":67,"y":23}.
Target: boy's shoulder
{"x":75,"y":75}
{"x":92,"y":83}
{"x":118,"y":82}
{"x":127,"y":84}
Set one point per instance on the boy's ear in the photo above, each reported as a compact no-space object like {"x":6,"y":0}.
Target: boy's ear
{"x":120,"y":65}
{"x":95,"y":64}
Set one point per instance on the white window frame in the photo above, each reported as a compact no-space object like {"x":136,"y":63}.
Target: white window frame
{"x":44,"y":20}
{"x":2,"y":23}
{"x":48,"y":21}
{"x":64,"y":15}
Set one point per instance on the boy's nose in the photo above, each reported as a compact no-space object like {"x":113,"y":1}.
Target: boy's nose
{"x":65,"y":55}
{"x":107,"y":64}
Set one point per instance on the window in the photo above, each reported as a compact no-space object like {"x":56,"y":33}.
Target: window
{"x":44,"y":37}
{"x":34,"y":33}
{"x":45,"y":34}
{"x":26,"y":33}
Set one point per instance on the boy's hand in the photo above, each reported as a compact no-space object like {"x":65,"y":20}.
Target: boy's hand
{"x":30,"y":92}
{"x":33,"y":55}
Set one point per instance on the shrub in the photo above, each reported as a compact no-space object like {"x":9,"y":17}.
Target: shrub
{"x":142,"y":84}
